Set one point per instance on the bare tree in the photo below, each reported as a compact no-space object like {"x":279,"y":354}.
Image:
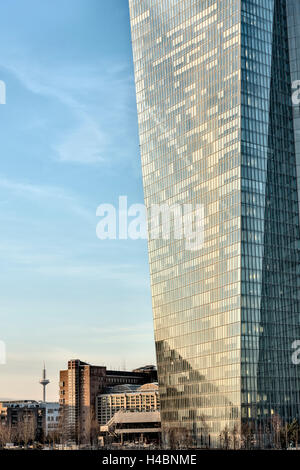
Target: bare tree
{"x":247,"y":436}
{"x":26,"y":429}
{"x":178,"y":437}
{"x":276,"y":424}
{"x":235,"y":437}
{"x":225,"y":438}
{"x":62,"y":428}
{"x":5,"y":434}
{"x":285,"y":435}
{"x":260,"y":437}
{"x":92,"y":428}
{"x":205,"y":437}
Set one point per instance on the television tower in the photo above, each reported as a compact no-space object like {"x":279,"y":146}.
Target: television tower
{"x":44,"y":382}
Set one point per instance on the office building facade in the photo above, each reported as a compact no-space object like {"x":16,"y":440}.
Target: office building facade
{"x":51,"y":417}
{"x":217,"y":128}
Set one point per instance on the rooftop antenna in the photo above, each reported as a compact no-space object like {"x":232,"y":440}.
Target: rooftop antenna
{"x":44,"y":382}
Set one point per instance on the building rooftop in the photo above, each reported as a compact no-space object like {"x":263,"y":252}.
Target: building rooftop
{"x":123,"y":417}
{"x":149,"y":387}
{"x":138,"y":418}
{"x":131,"y":388}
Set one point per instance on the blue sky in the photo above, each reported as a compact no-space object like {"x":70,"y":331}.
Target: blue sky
{"x":69,"y":142}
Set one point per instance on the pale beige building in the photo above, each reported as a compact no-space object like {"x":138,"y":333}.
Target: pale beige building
{"x":129,"y":398}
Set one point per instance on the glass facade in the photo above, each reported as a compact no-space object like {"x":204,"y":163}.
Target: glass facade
{"x":270,"y":220}
{"x":293,"y":12}
{"x":213,"y":91}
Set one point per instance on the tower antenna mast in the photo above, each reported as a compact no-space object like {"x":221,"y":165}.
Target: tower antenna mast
{"x":44,"y":382}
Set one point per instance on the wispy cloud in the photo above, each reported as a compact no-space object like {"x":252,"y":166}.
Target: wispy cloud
{"x":37,"y":192}
{"x":97,"y":98}
{"x":33,"y":189}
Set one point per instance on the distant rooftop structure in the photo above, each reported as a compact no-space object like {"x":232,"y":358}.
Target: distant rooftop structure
{"x":125,"y":416}
{"x":133,"y":423}
{"x":149,"y":387}
{"x":27,"y":404}
{"x":131,"y":388}
{"x":122,"y":388}
{"x":19,"y":403}
{"x":147,"y":368}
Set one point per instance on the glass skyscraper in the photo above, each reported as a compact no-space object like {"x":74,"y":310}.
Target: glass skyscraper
{"x":217,"y":127}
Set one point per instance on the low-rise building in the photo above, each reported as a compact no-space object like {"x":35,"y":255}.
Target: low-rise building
{"x":129,"y":398}
{"x":133,"y":427}
{"x":29,"y":418}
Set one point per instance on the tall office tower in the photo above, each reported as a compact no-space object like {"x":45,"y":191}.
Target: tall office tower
{"x":213,"y":89}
